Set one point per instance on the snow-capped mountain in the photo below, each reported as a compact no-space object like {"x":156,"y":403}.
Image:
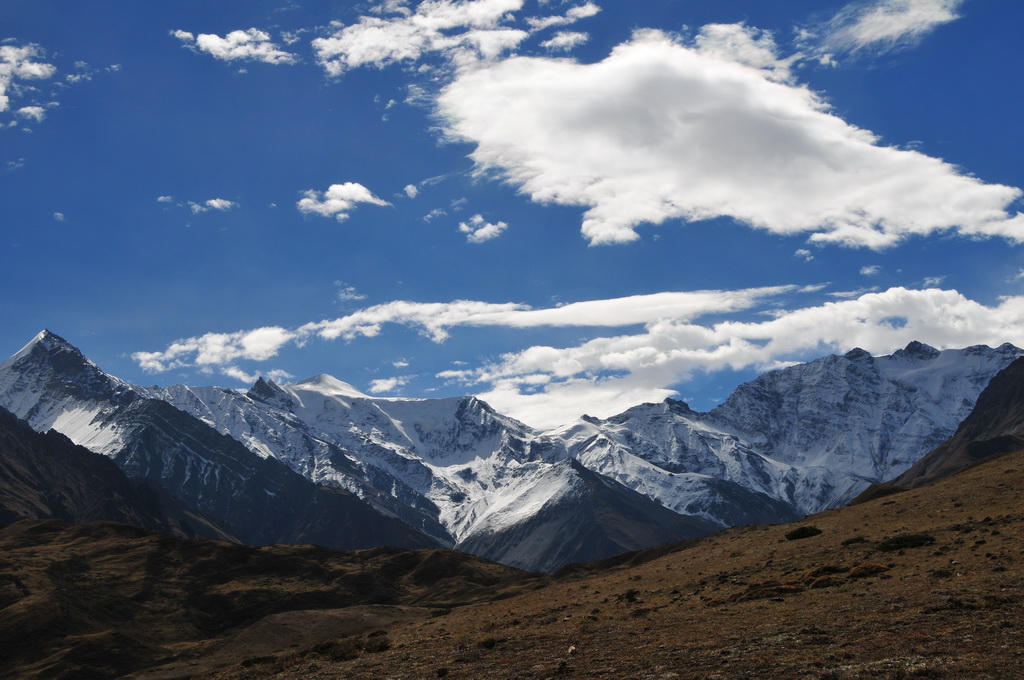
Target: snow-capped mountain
{"x":452,"y":469}
{"x":220,"y":483}
{"x":456,"y":469}
{"x":792,"y":441}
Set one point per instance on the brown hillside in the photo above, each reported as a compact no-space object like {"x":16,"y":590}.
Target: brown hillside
{"x":102,"y":599}
{"x":944,"y":601}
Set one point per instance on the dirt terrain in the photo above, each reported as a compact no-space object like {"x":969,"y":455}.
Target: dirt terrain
{"x":921,"y":584}
{"x":941,"y":600}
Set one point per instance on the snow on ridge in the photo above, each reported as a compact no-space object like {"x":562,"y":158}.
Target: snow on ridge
{"x":327,"y":385}
{"x":792,"y":441}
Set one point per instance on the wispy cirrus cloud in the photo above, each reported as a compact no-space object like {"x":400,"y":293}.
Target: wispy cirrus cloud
{"x":884,"y":25}
{"x":679,"y":334}
{"x":436,"y":319}
{"x":249,"y":45}
{"x":548,"y":386}
{"x":715,"y":127}
{"x":571,"y":16}
{"x":564,"y":41}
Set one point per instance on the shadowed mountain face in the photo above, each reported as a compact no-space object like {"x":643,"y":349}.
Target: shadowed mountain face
{"x":48,"y":476}
{"x":100,"y":600}
{"x":223,"y":489}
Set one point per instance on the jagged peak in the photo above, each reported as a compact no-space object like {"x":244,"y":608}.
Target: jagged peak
{"x":677,"y":405}
{"x":48,"y":354}
{"x":474,"y":404}
{"x":45,"y":340}
{"x":917,"y":350}
{"x":269,"y":392}
{"x":857,"y":354}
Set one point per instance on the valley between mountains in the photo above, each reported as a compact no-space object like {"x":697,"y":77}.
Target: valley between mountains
{"x":136,"y":515}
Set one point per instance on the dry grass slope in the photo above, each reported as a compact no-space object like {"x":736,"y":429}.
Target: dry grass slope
{"x":103,"y":599}
{"x":923,"y":584}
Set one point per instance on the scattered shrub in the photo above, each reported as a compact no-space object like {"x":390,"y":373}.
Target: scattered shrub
{"x":902,"y":541}
{"x":824,"y":570}
{"x":338,"y":650}
{"x":803,"y":532}
{"x":376,"y":642}
{"x":487,"y":642}
{"x":869,"y":569}
{"x":854,"y":540}
{"x":258,"y":661}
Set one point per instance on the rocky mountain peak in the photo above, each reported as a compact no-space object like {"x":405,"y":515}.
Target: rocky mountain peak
{"x":268,"y":392}
{"x":917,"y":350}
{"x":677,"y":406}
{"x":53,"y":360}
{"x":858,"y":354}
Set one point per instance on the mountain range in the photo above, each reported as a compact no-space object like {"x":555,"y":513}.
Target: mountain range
{"x":318,"y":461}
{"x":922,"y":582}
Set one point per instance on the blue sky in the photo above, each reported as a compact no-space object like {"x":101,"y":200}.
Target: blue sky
{"x":563,"y":207}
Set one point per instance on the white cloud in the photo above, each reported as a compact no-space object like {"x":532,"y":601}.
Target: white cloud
{"x":383,"y":385}
{"x":870,"y":270}
{"x":216,"y":349}
{"x":347,"y":292}
{"x":250,"y":45}
{"x":606,"y":375}
{"x":573,"y":15}
{"x":59,"y":216}
{"x":548,"y":385}
{"x":933,"y":281}
{"x":165,"y":199}
{"x":804,"y":254}
{"x":411,"y":191}
{"x":458,"y":29}
{"x":249,"y":378}
{"x":565,"y":41}
{"x":219,"y":204}
{"x":478,"y":230}
{"x":661,"y":130}
{"x":17,"y":64}
{"x":338,"y":201}
{"x":739,"y":44}
{"x":36,"y":113}
{"x":884,"y":25}
{"x":435,"y":319}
